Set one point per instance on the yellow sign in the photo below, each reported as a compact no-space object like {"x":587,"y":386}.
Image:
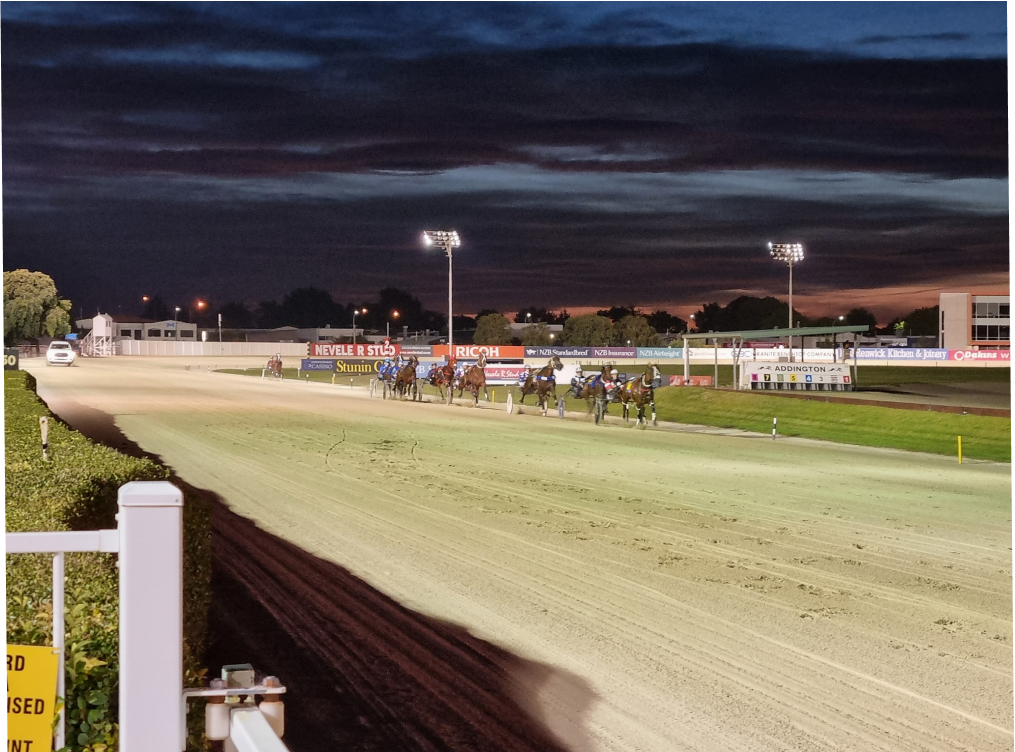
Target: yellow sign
{"x":31,"y":697}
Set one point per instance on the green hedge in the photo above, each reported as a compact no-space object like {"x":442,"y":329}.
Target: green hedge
{"x":76,"y":490}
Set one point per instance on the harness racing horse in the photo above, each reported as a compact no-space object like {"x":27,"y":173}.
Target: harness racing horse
{"x":441,"y":377}
{"x":593,"y":390}
{"x":474,"y":379}
{"x":386,"y":375}
{"x":544,"y":383}
{"x":640,"y":392}
{"x":275,"y":367}
{"x":405,"y":380}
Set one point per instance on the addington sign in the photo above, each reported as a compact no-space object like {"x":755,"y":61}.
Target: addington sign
{"x":834,"y":376}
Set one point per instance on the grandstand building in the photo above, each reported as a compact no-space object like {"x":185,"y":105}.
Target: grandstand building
{"x":980,"y":322}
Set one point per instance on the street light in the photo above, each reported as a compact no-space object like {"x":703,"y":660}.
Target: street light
{"x":356,"y":312}
{"x":446,"y":240}
{"x":788,"y":253}
{"x":176,"y":314}
{"x":201,"y":304}
{"x":393,"y":315}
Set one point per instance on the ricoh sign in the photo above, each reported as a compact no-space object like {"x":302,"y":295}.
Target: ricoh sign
{"x":490,"y":351}
{"x":366,"y":350}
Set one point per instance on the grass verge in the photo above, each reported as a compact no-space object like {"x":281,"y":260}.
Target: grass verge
{"x":985,"y":438}
{"x":76,"y":490}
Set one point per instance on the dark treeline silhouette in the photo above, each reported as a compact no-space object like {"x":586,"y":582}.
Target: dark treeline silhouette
{"x":748,"y":312}
{"x":309,"y":307}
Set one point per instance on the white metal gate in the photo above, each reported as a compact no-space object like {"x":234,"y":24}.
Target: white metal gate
{"x":149,"y":541}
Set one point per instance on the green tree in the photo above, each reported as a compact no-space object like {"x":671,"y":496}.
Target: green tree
{"x":589,"y":330}
{"x":664,"y":321}
{"x":923,"y":321}
{"x":492,"y":329}
{"x":635,"y":330}
{"x":537,"y":334}
{"x":32,"y":308}
{"x":616,"y":313}
{"x":861,"y":316}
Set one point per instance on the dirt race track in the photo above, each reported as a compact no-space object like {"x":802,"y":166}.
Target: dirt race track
{"x":430,"y":578}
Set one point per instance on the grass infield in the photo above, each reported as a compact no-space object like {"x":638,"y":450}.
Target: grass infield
{"x":985,"y":438}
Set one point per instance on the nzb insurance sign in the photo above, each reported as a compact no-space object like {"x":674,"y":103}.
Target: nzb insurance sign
{"x":31,"y":698}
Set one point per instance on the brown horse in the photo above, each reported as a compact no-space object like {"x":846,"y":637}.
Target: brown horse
{"x":593,"y":391}
{"x":405,"y":381}
{"x":442,"y":377}
{"x":275,"y":366}
{"x":640,"y":393}
{"x":474,"y":379}
{"x":544,"y":383}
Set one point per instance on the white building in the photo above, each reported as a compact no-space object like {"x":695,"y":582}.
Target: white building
{"x":135,"y":327}
{"x":969,"y":321}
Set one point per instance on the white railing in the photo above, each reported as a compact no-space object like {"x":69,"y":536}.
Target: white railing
{"x":149,"y":542}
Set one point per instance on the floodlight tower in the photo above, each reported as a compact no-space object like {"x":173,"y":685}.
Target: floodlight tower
{"x":789,"y":253}
{"x":446,"y":240}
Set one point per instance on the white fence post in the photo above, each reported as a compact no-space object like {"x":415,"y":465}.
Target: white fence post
{"x":151,"y":616}
{"x":59,"y":638}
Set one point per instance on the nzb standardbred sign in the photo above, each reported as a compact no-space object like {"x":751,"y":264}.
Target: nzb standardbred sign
{"x":31,"y":697}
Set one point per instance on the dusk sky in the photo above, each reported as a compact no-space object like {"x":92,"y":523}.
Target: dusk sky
{"x":588,"y":154}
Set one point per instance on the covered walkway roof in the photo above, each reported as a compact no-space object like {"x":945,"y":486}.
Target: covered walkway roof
{"x":802,"y":331}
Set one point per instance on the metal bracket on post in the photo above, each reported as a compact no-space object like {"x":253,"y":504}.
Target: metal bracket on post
{"x":250,"y":727}
{"x":151,"y":616}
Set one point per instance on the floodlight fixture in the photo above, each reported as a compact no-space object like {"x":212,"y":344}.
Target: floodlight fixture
{"x":446,"y":240}
{"x":788,"y":253}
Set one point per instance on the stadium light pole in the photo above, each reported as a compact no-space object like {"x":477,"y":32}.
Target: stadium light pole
{"x":356,"y":312}
{"x":392,"y":315}
{"x":788,"y":253}
{"x":447,"y":241}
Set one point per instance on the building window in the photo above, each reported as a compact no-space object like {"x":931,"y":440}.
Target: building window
{"x":186,"y":333}
{"x":125,"y":333}
{"x":137,"y":334}
{"x":154,"y":332}
{"x":980,"y":310}
{"x":992,"y":310}
{"x":170,"y":333}
{"x":1005,"y":309}
{"x":1004,"y":333}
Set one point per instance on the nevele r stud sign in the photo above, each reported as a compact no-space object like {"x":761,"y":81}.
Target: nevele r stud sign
{"x":31,"y":697}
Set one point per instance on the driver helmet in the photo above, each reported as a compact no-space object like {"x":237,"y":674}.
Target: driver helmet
{"x":613,"y":372}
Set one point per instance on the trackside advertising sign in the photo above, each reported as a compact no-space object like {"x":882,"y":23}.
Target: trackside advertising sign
{"x":317,"y":364}
{"x":561,"y":352}
{"x":900,"y":353}
{"x":964,"y":355}
{"x":690,"y":380}
{"x":492,"y":352}
{"x":362,"y":350}
{"x":503,"y":374}
{"x":420,"y":351}
{"x":661,"y":353}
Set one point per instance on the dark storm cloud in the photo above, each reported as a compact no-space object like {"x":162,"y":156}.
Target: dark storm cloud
{"x":557,"y":137}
